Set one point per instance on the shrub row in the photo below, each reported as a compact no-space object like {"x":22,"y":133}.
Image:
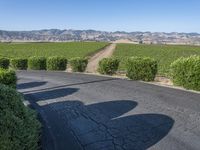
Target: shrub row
{"x":108,"y":66}
{"x":19,"y":63}
{"x":137,"y":68}
{"x":78,"y":64}
{"x":8,"y":77}
{"x":4,"y":63}
{"x":56,"y":63}
{"x":37,"y":63}
{"x":186,"y":72}
{"x":19,"y":128}
{"x":41,"y":63}
{"x":141,"y":68}
{"x":34,"y":63}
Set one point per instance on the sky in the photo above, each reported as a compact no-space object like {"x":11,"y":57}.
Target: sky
{"x":104,"y":15}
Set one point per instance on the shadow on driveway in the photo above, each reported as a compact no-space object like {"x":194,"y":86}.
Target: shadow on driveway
{"x":52,"y":94}
{"x":29,"y":85}
{"x":106,"y":125}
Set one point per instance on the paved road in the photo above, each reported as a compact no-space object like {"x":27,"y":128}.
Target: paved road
{"x":100,"y":113}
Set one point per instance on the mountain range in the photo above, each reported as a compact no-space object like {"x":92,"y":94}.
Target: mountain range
{"x":56,"y":35}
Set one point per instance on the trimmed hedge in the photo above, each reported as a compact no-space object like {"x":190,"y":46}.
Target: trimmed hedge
{"x":139,"y":68}
{"x":186,"y":72}
{"x":78,"y":64}
{"x":8,"y":77}
{"x":19,"y":63}
{"x":108,"y":66}
{"x":37,"y":63}
{"x":19,"y":128}
{"x":56,"y":63}
{"x":4,"y":63}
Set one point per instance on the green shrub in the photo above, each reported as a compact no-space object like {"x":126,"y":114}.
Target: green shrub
{"x":108,"y":66}
{"x":78,"y":64}
{"x":19,"y":128}
{"x":8,"y":77}
{"x":4,"y":63}
{"x":37,"y":63}
{"x":19,"y":63}
{"x":56,"y":63}
{"x":186,"y":72}
{"x":139,"y":68}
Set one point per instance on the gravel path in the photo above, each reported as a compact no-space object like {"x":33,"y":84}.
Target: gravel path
{"x":85,"y":112}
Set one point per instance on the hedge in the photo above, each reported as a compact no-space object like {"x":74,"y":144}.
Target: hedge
{"x":8,"y":77}
{"x":141,"y":68}
{"x":78,"y":64}
{"x":186,"y":72}
{"x":19,"y":63}
{"x":108,"y":66}
{"x":4,"y":63}
{"x":19,"y":128}
{"x":37,"y":63}
{"x":56,"y":63}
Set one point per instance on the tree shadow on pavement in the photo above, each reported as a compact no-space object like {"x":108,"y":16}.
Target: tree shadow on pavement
{"x":103,"y":125}
{"x":51,"y":139}
{"x":109,"y":125}
{"x":52,"y":94}
{"x":66,"y":85}
{"x":29,"y":85}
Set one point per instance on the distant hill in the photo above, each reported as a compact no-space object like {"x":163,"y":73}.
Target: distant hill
{"x":56,"y":35}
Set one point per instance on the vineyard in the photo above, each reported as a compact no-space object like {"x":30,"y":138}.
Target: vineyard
{"x":164,"y":54}
{"x":68,"y":50}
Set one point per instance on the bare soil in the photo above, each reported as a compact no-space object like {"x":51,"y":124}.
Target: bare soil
{"x":163,"y":81}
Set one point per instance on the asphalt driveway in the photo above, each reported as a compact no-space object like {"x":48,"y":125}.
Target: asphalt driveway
{"x":101,"y":113}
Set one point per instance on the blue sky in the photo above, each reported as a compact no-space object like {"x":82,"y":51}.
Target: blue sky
{"x":106,"y":15}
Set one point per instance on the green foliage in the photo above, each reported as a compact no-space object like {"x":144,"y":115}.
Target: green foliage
{"x":68,"y":49}
{"x":37,"y":63}
{"x":108,"y":66}
{"x":56,"y":63}
{"x":19,"y":129}
{"x":163,"y":54}
{"x":4,"y":63}
{"x":186,"y":72}
{"x":78,"y":64}
{"x":8,"y":77}
{"x":19,"y":63}
{"x":139,"y":68}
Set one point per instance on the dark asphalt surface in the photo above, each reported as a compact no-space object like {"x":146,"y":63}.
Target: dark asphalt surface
{"x":101,"y":113}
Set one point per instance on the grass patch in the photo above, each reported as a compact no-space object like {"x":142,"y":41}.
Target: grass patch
{"x":67,"y":49}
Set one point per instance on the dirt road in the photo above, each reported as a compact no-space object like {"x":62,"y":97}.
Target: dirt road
{"x":94,"y":60}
